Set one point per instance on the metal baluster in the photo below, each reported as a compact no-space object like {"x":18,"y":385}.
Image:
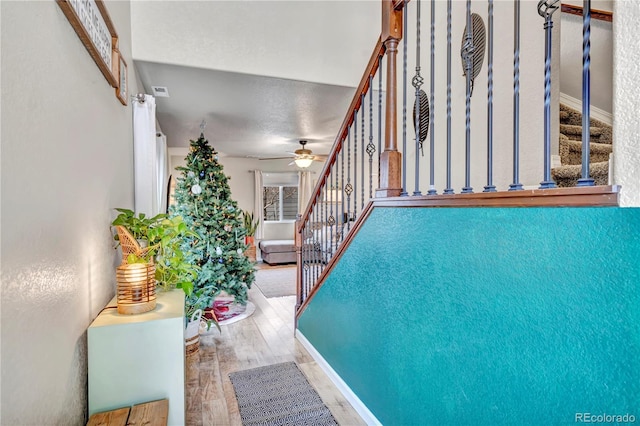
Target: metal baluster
{"x":305,"y":259}
{"x":318,"y":242}
{"x":362,"y":184}
{"x":516,"y":185}
{"x":371,"y":148}
{"x":379,"y":114}
{"x":342,"y":185}
{"x":325,"y":221}
{"x":417,"y":83}
{"x":432,"y":142}
{"x":314,"y":243}
{"x":405,"y":41}
{"x":332,"y":220}
{"x":467,"y":55}
{"x":448,"y":189}
{"x":355,"y":164}
{"x":546,"y":8}
{"x":348,"y":188}
{"x":490,"y":187}
{"x":586,"y":180}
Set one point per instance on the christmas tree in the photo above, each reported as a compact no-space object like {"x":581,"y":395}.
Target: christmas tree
{"x":203,"y":199}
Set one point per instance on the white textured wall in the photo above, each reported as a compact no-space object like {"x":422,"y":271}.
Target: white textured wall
{"x":287,"y":39}
{"x":626,"y":101}
{"x":66,"y":163}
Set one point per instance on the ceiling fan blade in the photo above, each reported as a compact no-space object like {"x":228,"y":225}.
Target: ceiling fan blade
{"x":291,"y":163}
{"x":275,"y":158}
{"x":320,"y":157}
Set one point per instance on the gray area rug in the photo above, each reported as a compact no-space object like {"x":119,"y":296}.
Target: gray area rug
{"x":278,"y":395}
{"x":277,"y":282}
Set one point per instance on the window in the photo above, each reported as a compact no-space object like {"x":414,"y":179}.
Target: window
{"x":280,"y":196}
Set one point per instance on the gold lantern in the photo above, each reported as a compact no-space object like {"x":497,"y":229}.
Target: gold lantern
{"x":136,"y":291}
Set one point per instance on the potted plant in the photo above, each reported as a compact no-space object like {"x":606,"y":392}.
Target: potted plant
{"x":138,"y":225}
{"x":250,"y":225}
{"x":163,"y":238}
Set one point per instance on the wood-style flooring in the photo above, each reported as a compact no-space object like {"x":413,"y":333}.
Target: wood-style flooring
{"x":264,"y":338}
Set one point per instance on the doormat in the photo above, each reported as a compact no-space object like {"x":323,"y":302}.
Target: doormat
{"x":279,"y":395}
{"x":277,"y":282}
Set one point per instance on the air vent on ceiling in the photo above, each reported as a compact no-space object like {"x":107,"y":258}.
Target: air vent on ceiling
{"x":160,"y":91}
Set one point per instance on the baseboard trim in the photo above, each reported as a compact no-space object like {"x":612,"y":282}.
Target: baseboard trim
{"x":346,"y":391}
{"x":595,"y":112}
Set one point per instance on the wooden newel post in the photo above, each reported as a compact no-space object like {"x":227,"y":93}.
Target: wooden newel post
{"x":390,"y":158}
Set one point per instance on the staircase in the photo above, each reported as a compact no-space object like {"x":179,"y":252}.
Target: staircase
{"x":569,"y":172}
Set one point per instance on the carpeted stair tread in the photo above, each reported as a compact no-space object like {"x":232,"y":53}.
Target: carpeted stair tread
{"x":570,"y":116}
{"x":571,"y":151}
{"x":571,"y":130}
{"x":567,"y":176}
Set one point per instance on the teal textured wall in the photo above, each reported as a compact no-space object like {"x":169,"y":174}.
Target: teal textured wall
{"x":484,"y":316}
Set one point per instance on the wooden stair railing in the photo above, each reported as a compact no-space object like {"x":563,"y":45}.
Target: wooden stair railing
{"x":322,"y":228}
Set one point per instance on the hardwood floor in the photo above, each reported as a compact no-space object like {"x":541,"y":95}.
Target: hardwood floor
{"x":264,"y":338}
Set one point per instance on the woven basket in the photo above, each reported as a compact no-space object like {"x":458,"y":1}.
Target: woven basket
{"x":129,"y":244}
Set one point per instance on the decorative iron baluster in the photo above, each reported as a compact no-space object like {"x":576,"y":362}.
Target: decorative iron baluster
{"x":348,"y":188}
{"x":325,"y":220}
{"x":586,"y":180}
{"x":432,"y":142}
{"x":371,"y":148}
{"x":417,"y":83}
{"x":305,"y":258}
{"x":546,"y":8}
{"x":516,"y":185}
{"x":314,"y":242}
{"x":362,"y":184}
{"x":448,"y":189}
{"x":379,"y":114}
{"x":342,"y":184}
{"x":355,"y":164}
{"x":323,"y":230}
{"x":490,"y":187}
{"x":332,"y":220}
{"x":405,"y":42}
{"x":467,"y":55}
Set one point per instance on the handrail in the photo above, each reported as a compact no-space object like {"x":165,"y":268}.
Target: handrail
{"x":602,"y":15}
{"x":363,"y":87}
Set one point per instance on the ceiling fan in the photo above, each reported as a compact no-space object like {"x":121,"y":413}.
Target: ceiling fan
{"x":302,"y":157}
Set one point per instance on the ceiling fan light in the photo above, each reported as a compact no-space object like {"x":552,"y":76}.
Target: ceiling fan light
{"x":303,"y":163}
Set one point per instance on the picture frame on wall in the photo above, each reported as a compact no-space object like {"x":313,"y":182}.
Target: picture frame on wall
{"x":122,"y":89}
{"x":94,"y":27}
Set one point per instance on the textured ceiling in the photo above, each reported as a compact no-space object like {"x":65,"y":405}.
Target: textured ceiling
{"x":246,"y":115}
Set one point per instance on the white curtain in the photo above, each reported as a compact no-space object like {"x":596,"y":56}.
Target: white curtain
{"x":258,"y":207}
{"x":162,"y":177}
{"x":144,"y":156}
{"x":305,"y":188}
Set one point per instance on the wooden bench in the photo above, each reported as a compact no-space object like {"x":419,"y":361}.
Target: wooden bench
{"x":153,"y":413}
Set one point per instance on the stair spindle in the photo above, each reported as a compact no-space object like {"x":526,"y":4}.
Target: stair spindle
{"x":586,"y":180}
{"x":448,"y":189}
{"x":405,"y":42}
{"x":516,"y":185}
{"x":546,"y":8}
{"x":490,"y":187}
{"x":432,"y":142}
